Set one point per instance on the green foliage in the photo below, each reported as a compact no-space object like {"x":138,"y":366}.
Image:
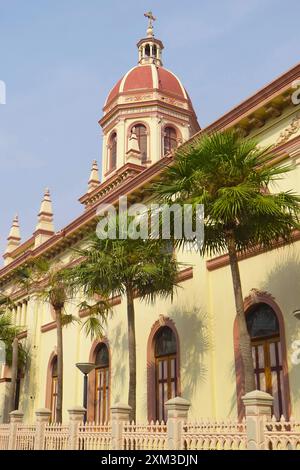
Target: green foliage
{"x":112,"y":267}
{"x":236,"y":181}
{"x":8,"y":331}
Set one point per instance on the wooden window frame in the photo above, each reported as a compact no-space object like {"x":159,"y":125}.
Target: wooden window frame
{"x":169,"y":381}
{"x":255,"y":298}
{"x":92,"y":379}
{"x":105,"y":371}
{"x":267,"y":370}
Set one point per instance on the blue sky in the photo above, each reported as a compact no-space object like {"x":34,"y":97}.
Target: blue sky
{"x":60,"y":58}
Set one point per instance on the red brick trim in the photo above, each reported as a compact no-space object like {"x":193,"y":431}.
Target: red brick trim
{"x":22,"y":335}
{"x":48,"y":327}
{"x":113,"y":302}
{"x":221,"y":261}
{"x":185,"y":274}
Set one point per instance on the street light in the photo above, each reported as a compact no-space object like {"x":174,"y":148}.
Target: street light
{"x":85,"y":368}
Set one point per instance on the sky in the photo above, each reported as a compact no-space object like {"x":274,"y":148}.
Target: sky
{"x":60,"y":58}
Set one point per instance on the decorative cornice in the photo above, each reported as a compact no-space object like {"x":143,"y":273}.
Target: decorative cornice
{"x":288,"y":133}
{"x":127,"y":109}
{"x":128,"y":171}
{"x":262,"y":98}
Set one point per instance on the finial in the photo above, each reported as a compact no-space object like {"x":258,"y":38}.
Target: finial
{"x":13,"y":240}
{"x":150,"y":48}
{"x":14,"y":233}
{"x":45,"y":227}
{"x":133,"y":154}
{"x":94,"y":180}
{"x":151,"y":18}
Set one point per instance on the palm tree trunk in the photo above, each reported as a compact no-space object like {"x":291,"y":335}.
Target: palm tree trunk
{"x":244,"y":338}
{"x":59,"y":366}
{"x":14,"y":374}
{"x":132,"y":353}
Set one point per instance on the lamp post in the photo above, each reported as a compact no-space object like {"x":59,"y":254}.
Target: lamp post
{"x":85,"y":368}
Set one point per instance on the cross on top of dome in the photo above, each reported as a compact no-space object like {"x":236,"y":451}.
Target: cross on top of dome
{"x":151,"y":18}
{"x":150,"y":48}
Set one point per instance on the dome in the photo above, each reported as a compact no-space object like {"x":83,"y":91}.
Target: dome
{"x":148,"y":78}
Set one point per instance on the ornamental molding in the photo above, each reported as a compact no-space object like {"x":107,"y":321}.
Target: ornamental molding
{"x":134,"y":98}
{"x":172,"y":101}
{"x":256,"y":296}
{"x":148,"y":110}
{"x":163,"y":320}
{"x":109,"y":186}
{"x":289,"y":131}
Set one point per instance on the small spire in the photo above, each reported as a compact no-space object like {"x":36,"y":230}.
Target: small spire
{"x":94,"y":180}
{"x":133,"y":154}
{"x":133,"y":143}
{"x":46,"y":206}
{"x":15,"y":229}
{"x":13,"y":240}
{"x":45,"y":227}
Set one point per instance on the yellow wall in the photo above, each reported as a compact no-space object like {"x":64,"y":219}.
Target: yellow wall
{"x":203,"y":312}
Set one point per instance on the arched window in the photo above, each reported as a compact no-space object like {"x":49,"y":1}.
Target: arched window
{"x":263,"y":328}
{"x":165,"y":369}
{"x":101,"y":408}
{"x":53,"y":400}
{"x":141,"y":133}
{"x":113,"y":151}
{"x":170,"y":139}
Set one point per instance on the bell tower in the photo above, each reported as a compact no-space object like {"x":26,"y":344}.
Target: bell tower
{"x":148,"y":112}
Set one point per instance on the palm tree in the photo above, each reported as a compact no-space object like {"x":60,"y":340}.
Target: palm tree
{"x":129,"y":268}
{"x":233,"y":178}
{"x":51,"y":283}
{"x":15,"y":353}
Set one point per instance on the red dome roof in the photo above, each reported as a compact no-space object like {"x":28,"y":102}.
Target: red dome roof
{"x":146,"y":78}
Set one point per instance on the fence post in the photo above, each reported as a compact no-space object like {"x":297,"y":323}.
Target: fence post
{"x":16,"y":418}
{"x":177,"y":409}
{"x":42,"y":419}
{"x":76,"y":417}
{"x":120,"y":414}
{"x":258,"y":409}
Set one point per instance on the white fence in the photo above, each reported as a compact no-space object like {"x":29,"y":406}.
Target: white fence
{"x":206,"y":435}
{"x":257,"y":431}
{"x":152,"y":436}
{"x":282,"y":435}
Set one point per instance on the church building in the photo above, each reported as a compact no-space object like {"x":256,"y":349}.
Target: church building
{"x":189,"y":346}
